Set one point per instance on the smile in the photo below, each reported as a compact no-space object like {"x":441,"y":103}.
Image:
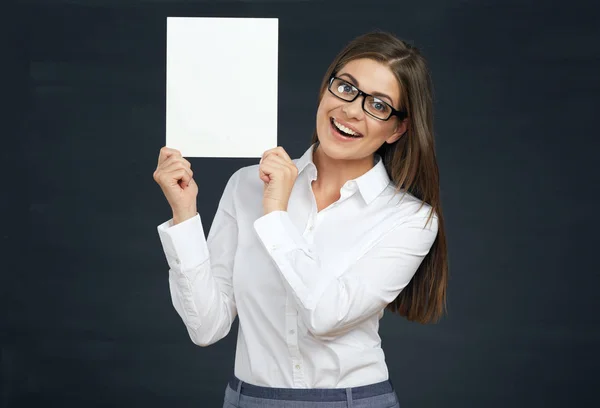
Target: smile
{"x":345,"y":131}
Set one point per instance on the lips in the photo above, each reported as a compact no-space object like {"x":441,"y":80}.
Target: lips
{"x":345,"y":130}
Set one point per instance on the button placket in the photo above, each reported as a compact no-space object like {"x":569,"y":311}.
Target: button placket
{"x":310,"y":227}
{"x":291,"y":327}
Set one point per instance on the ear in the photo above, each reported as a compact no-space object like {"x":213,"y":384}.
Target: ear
{"x":401,"y":129}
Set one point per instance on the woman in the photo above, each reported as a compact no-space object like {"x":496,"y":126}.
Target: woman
{"x":309,"y":252}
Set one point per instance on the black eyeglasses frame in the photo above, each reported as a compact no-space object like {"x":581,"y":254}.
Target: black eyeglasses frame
{"x":400,"y":114}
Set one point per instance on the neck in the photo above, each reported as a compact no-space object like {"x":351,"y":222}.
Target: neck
{"x":333,"y":173}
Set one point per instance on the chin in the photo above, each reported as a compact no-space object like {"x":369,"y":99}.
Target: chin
{"x":331,"y":149}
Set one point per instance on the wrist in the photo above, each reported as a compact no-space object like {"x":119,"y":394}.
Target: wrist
{"x":270,"y":205}
{"x":183,"y":215}
{"x":271,"y":209}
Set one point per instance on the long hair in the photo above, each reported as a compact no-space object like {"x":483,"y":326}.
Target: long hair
{"x":410,"y":163}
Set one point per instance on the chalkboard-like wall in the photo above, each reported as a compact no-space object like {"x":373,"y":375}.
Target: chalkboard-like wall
{"x":86,"y":317}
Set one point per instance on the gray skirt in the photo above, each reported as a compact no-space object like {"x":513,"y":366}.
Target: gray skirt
{"x":239,"y":394}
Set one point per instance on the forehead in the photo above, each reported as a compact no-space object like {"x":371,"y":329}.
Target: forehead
{"x":373,"y":77}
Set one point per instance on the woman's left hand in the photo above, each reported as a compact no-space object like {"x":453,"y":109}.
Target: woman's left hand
{"x":279,"y":173}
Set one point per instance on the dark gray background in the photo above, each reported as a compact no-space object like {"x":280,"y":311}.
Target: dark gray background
{"x":86,"y":314}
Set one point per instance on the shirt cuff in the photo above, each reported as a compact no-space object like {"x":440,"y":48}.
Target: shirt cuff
{"x":184,"y":244}
{"x":294,"y":257}
{"x":278,"y":233}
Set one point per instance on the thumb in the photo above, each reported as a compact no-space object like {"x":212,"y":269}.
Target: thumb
{"x":185,"y":184}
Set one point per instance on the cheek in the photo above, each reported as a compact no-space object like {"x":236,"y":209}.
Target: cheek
{"x":322,"y":113}
{"x":327,"y":105}
{"x":379,"y":131}
{"x":320,"y":109}
{"x":323,"y":106}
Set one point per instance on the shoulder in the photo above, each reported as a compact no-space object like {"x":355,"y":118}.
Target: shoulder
{"x":242,"y":190}
{"x":409,"y":209}
{"x":245,"y":179}
{"x":243,"y":174}
{"x":246,"y":173}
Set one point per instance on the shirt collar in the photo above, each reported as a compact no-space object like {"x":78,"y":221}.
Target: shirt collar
{"x":370,"y":184}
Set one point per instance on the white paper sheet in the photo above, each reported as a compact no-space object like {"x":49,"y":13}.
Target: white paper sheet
{"x":221,"y":86}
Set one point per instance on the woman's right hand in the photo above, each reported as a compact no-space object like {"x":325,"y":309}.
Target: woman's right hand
{"x":175,"y":177}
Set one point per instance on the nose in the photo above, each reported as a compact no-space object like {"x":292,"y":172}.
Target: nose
{"x":354,"y":109}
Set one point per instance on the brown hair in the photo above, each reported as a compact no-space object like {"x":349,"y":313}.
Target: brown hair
{"x":410,"y":162}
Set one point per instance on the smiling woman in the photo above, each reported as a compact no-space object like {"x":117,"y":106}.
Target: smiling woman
{"x":401,"y":136}
{"x":351,"y":228}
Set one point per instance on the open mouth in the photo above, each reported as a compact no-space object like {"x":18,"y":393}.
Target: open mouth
{"x":344,"y":131}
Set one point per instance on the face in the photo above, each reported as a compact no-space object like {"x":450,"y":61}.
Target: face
{"x":335,"y":114}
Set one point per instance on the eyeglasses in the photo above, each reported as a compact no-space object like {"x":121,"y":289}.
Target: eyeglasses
{"x":372,"y":105}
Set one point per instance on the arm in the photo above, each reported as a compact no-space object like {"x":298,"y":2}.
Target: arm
{"x":329,"y":305}
{"x":200,"y":270}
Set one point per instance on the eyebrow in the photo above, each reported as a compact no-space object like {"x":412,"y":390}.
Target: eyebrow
{"x":377,"y":94}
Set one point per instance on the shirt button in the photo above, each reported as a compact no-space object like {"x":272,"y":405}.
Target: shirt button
{"x":297,"y":366}
{"x":292,"y":331}
{"x":273,"y":247}
{"x":177,"y":261}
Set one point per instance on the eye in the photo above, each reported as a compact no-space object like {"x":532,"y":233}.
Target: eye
{"x":379,"y":106}
{"x":345,"y":88}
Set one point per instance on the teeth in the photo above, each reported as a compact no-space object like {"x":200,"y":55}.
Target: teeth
{"x":344,"y":128}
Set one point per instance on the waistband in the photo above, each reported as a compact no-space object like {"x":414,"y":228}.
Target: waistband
{"x":312,"y":394}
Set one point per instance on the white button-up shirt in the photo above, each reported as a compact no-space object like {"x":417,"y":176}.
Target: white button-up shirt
{"x":309,"y":287}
